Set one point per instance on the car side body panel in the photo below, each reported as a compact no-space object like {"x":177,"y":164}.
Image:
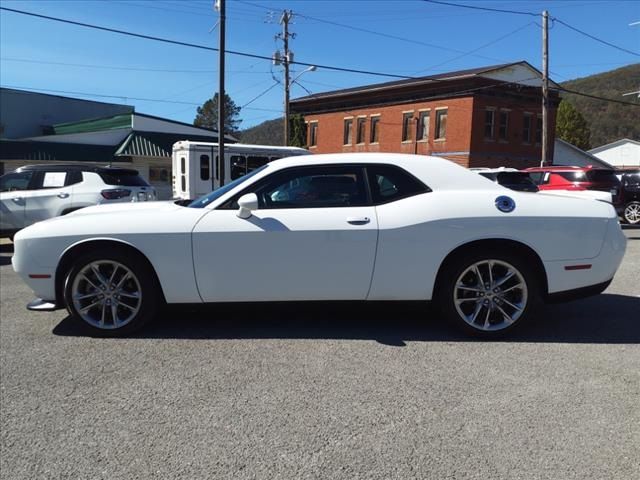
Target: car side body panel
{"x":417,"y":233}
{"x":153,"y":228}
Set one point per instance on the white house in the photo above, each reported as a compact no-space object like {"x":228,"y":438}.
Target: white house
{"x":566,"y":154}
{"x":624,"y":153}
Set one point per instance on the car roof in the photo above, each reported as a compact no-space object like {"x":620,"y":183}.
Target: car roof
{"x":436,"y":172}
{"x":564,"y":168}
{"x":61,"y":167}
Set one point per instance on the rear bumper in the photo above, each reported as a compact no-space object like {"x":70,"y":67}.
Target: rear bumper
{"x":578,"y":293}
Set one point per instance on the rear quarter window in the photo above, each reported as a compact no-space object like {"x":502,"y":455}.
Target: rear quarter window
{"x":126,"y":179}
{"x":603,"y":176}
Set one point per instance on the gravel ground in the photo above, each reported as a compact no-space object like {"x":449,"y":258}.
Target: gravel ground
{"x":323,"y":391}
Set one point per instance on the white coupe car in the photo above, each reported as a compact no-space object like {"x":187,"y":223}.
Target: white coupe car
{"x":328,"y":227}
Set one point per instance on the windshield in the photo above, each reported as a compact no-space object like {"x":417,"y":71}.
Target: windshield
{"x":217,"y":193}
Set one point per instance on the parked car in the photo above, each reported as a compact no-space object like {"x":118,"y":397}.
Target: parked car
{"x":578,"y":179}
{"x":509,"y":178}
{"x":630,"y":182}
{"x":38,"y":192}
{"x":327,"y":227}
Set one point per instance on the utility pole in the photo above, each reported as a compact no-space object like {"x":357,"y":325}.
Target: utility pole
{"x":545,"y":89}
{"x":221,"y":95}
{"x":284,"y":20}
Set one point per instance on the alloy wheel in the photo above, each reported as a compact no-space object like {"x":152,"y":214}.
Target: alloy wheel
{"x":632,"y":213}
{"x":106,"y":294}
{"x":490,"y":295}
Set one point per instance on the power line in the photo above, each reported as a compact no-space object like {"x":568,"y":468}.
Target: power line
{"x":194,"y":45}
{"x":604,"y":42}
{"x":121,"y":97}
{"x":479,"y":48}
{"x":393,"y":37}
{"x":115,"y":67}
{"x":261,"y":94}
{"x":596,"y":97}
{"x":486,"y":9}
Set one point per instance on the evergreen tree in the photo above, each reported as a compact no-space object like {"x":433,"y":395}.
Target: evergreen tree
{"x":297,"y":131}
{"x":572,"y":127}
{"x":207,"y":115}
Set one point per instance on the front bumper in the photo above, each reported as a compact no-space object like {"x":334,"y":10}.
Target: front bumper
{"x":39,"y":305}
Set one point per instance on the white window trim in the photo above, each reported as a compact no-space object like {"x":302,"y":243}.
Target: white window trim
{"x":404,"y":112}
{"x":364,"y":137}
{"x":316,"y":122}
{"x":374,"y":115}
{"x":423,"y":110}
{"x":343,"y":120}
{"x":439,"y":139}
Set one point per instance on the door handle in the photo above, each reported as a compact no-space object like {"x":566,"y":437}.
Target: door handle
{"x":17,"y":199}
{"x":358,"y":220}
{"x":63,"y":195}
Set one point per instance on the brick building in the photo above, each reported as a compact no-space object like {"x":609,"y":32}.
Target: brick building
{"x":484,"y":117}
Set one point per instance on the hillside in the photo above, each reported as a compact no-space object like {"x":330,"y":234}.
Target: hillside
{"x":265,"y":133}
{"x":608,"y":121}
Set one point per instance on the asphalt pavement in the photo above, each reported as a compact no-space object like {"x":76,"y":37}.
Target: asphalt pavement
{"x":323,"y":391}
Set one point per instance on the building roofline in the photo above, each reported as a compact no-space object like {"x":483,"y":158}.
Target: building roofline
{"x":33,"y":92}
{"x":585,"y":153}
{"x":613,"y":144}
{"x":443,"y":77}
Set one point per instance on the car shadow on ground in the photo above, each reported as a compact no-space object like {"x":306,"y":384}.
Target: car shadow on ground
{"x":6,"y":251}
{"x":602,"y":319}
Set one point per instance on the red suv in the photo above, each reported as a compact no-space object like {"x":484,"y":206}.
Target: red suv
{"x":578,"y":178}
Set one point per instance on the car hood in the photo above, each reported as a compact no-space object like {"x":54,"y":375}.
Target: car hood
{"x":126,"y":207}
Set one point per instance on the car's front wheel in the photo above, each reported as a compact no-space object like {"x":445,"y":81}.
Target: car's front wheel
{"x":632,"y":213}
{"x":488,"y":293}
{"x":113,"y":293}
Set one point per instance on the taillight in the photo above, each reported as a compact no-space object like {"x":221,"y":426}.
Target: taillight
{"x":115,"y":193}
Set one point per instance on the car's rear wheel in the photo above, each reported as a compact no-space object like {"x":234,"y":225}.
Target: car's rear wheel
{"x":488,"y":293}
{"x":112,"y":293}
{"x":632,"y":213}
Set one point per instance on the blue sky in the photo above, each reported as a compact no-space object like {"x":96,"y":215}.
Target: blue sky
{"x":431,"y":38}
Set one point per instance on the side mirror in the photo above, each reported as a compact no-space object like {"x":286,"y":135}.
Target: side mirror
{"x":247,"y":204}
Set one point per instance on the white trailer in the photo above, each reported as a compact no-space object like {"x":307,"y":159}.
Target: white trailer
{"x":196,"y":169}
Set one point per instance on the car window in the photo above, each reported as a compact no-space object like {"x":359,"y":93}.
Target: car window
{"x":218,"y":192}
{"x":389,"y":183}
{"x":45,"y":180}
{"x":15,"y":181}
{"x":572,"y":176}
{"x":537,"y":177}
{"x":336,"y":186}
{"x":603,"y":176}
{"x":126,"y":178}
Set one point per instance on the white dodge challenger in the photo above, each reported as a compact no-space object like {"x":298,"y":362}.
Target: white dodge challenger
{"x":328,"y":227}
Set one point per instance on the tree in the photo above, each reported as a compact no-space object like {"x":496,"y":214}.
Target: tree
{"x":298,"y":131}
{"x":572,"y":127}
{"x":207,"y":115}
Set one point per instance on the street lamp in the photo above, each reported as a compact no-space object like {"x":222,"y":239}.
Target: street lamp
{"x":287,"y":86}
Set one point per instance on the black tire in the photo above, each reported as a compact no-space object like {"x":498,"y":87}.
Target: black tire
{"x":141,"y":276}
{"x":495,"y":307}
{"x":630,"y":213}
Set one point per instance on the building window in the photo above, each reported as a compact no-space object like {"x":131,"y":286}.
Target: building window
{"x":373,"y":133}
{"x":441,"y":124}
{"x":406,"y":126}
{"x":526,"y":128}
{"x":539,"y":130}
{"x":362,"y":121}
{"x":503,"y":129}
{"x":423,"y":126}
{"x":489,"y":123}
{"x":348,"y":127}
{"x":313,"y":134}
{"x":204,"y":167}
